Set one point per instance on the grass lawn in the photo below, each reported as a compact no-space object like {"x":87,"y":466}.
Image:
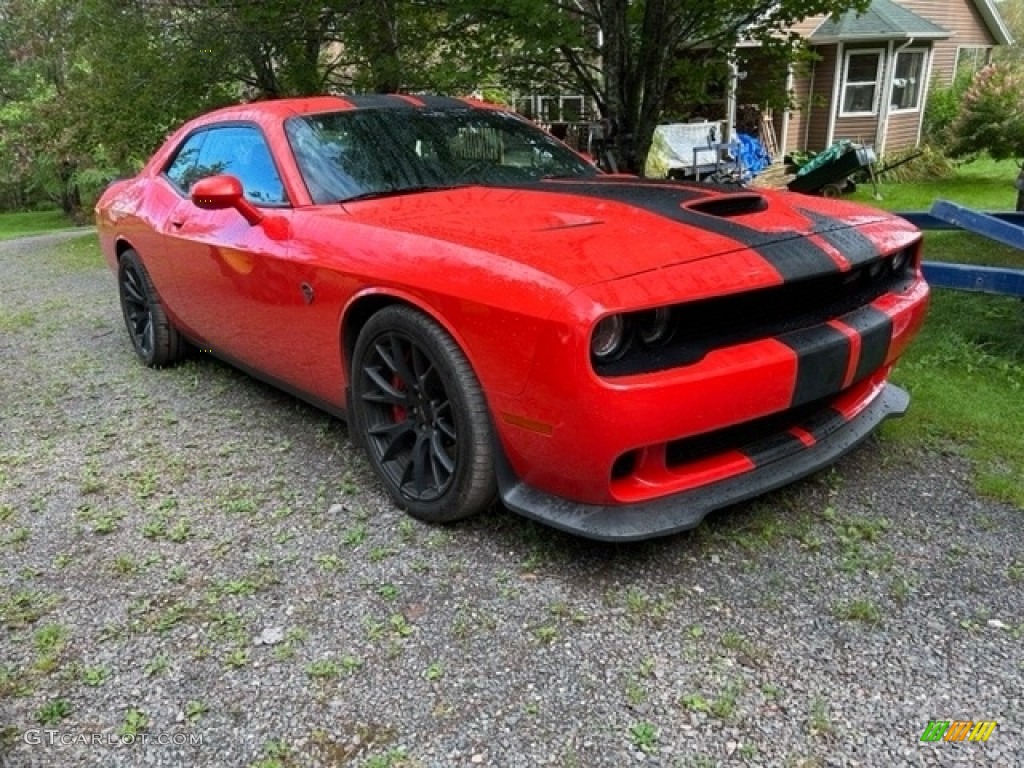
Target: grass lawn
{"x":984,"y":184}
{"x":31,"y":223}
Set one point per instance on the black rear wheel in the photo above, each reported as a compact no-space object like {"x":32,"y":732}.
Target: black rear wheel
{"x":156,"y":341}
{"x":420,"y":413}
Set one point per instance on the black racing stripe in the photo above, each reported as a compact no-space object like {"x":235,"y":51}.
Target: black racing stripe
{"x":772,"y":448}
{"x":791,"y":254}
{"x":822,"y":356}
{"x":823,"y":423}
{"x":379,"y":101}
{"x":854,"y":245}
{"x":442,"y":102}
{"x":875,"y":329}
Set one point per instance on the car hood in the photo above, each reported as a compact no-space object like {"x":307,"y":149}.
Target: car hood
{"x":584,"y":232}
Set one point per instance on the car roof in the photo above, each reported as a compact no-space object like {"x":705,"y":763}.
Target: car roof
{"x":284,"y":108}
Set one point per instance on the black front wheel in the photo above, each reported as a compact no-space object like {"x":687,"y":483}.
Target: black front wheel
{"x":420,"y":413}
{"x":156,"y":341}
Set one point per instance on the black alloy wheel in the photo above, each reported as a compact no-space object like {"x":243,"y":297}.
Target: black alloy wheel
{"x":421,"y":415}
{"x":154,"y":338}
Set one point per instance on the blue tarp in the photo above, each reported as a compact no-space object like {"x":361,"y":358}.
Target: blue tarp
{"x":752,"y":154}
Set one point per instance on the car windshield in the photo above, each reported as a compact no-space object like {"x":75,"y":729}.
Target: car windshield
{"x":376,"y":152}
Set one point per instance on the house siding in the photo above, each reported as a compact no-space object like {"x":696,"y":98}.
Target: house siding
{"x":825,"y":74}
{"x":968,"y":30}
{"x":903,"y":131}
{"x":809,"y":129}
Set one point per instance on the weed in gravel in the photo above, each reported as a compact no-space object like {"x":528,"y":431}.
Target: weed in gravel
{"x":642,"y":606}
{"x":434,"y":671}
{"x":393,"y":758}
{"x":354,"y":536}
{"x":545,"y":634}
{"x":399,"y":625}
{"x":724,"y":705}
{"x":157,"y":665}
{"x":155,"y":526}
{"x":125,"y":565}
{"x":52,"y":712}
{"x":859,"y":609}
{"x":329,"y":562}
{"x":388,"y":591}
{"x":377,"y":554}
{"x":51,"y":639}
{"x":195,"y":709}
{"x":324,"y":669}
{"x":407,"y":530}
{"x":636,"y":694}
{"x":180,"y":532}
{"x":11,"y":322}
{"x":238,"y":587}
{"x":95,"y":676}
{"x":236,"y":658}
{"x":276,"y":754}
{"x":644,"y":736}
{"x":439,"y":539}
{"x":901,"y":587}
{"x":17,"y":536}
{"x":294,"y":637}
{"x":177,"y":574}
{"x":13,"y":683}
{"x":694,"y":702}
{"x":818,"y":722}
{"x":92,"y":481}
{"x":1015,"y":571}
{"x":771,"y":691}
{"x":134,"y":721}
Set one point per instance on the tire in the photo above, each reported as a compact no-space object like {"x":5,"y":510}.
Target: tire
{"x":420,"y":414}
{"x":156,"y":341}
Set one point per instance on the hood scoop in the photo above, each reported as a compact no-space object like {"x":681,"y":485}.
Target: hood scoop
{"x":727,"y":206}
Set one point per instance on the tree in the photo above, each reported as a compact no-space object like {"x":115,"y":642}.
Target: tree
{"x":991,"y":118}
{"x":630,"y":55}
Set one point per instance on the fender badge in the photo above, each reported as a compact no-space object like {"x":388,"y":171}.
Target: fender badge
{"x":307,"y":292}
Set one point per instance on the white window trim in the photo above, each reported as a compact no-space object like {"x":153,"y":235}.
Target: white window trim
{"x":880,"y":52}
{"x":921,"y":88}
{"x":986,"y":59}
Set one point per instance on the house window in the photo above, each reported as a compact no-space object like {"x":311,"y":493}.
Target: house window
{"x":970,"y":60}
{"x":861,"y":76}
{"x":907,"y":80}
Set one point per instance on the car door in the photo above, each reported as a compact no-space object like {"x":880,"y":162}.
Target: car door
{"x":232,"y":282}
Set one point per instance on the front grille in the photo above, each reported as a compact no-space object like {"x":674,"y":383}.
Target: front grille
{"x":750,"y":437}
{"x":700,"y":327}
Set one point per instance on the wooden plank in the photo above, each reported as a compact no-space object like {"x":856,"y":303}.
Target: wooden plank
{"x":980,"y":223}
{"x":925,"y":220}
{"x":967,"y":277}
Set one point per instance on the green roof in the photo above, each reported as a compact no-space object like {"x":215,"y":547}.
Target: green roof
{"x":883,"y":20}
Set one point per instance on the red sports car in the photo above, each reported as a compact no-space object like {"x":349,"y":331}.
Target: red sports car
{"x":610,"y":355}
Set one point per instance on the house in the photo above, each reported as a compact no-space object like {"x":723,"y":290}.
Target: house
{"x":869,"y":82}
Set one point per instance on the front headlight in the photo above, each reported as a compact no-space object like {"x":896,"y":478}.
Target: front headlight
{"x":609,"y":338}
{"x":653,"y":326}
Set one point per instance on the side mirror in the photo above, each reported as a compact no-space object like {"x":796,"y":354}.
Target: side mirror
{"x":215,"y":193}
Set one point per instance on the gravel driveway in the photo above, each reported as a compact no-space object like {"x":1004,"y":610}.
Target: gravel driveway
{"x":198,"y":570}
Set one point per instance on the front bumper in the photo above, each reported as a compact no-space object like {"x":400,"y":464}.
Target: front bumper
{"x":680,"y":511}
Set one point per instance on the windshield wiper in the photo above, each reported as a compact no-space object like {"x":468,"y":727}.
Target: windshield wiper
{"x":394,"y":191}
